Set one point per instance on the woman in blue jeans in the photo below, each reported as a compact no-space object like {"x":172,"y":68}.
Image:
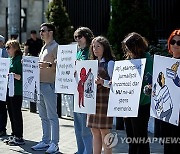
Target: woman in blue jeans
{"x":83,"y":36}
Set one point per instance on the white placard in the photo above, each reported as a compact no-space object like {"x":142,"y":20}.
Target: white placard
{"x":126,"y":88}
{"x":4,"y":71}
{"x":165,"y":89}
{"x":85,"y":89}
{"x":0,"y":52}
{"x":31,"y":79}
{"x":11,"y":84}
{"x":65,"y":69}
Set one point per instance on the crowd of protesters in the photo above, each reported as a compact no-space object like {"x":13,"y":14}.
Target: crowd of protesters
{"x":90,"y":130}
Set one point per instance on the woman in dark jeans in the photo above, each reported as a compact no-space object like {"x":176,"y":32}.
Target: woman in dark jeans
{"x":135,"y":47}
{"x":14,"y":103}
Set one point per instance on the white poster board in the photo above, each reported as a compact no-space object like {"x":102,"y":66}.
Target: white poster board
{"x":126,"y":88}
{"x":166,"y":89}
{"x":31,"y":79}
{"x":0,"y":52}
{"x":65,"y":69}
{"x":85,"y":89}
{"x":4,"y":71}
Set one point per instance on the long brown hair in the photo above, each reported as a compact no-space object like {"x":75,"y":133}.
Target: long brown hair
{"x":87,"y":33}
{"x":134,"y":46}
{"x":107,"y":54}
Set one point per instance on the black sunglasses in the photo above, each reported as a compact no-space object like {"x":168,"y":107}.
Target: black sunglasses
{"x":42,"y":30}
{"x":8,"y":47}
{"x":78,"y":36}
{"x":172,"y":42}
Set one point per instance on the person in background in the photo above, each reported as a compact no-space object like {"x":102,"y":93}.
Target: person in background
{"x":14,"y":103}
{"x":83,"y":36}
{"x":99,"y":123}
{"x":168,"y":130}
{"x":135,"y":47}
{"x":33,"y":45}
{"x":3,"y":109}
{"x":48,"y":100}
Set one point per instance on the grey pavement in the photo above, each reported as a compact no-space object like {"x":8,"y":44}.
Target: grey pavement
{"x":33,"y":132}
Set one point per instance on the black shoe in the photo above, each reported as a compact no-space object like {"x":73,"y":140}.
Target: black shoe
{"x":2,"y":133}
{"x":16,"y":141}
{"x":8,"y":139}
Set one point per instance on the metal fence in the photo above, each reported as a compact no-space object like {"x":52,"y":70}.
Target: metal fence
{"x":166,"y":15}
{"x":95,"y":14}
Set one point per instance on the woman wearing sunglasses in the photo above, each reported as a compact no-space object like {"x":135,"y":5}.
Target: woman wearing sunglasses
{"x":169,"y":130}
{"x":14,"y":103}
{"x":83,"y":36}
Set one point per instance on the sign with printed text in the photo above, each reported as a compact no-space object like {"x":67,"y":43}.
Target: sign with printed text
{"x":4,"y":71}
{"x":126,"y":88}
{"x":85,"y":89}
{"x":165,"y":89}
{"x":31,"y":79}
{"x":65,"y":69}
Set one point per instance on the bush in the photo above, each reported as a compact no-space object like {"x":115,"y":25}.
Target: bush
{"x":56,"y":14}
{"x":129,"y":16}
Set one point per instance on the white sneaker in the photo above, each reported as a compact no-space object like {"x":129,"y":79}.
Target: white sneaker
{"x":40,"y":146}
{"x":53,"y":148}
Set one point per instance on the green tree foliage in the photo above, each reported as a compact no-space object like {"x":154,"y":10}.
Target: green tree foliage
{"x":56,"y":14}
{"x":129,"y":16}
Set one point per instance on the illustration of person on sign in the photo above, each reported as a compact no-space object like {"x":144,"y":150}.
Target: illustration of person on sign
{"x":172,"y":73}
{"x":164,"y":103}
{"x":80,"y":87}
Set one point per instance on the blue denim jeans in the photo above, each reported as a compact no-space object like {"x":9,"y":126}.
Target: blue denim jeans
{"x":83,"y":134}
{"x":48,"y":113}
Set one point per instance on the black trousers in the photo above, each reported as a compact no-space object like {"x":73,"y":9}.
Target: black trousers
{"x":119,"y":123}
{"x":137,"y":127}
{"x":14,"y":109}
{"x":3,"y":116}
{"x":170,"y":131}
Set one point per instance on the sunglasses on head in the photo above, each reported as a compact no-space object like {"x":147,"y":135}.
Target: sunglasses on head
{"x":173,"y":42}
{"x":78,"y":36}
{"x":8,"y":47}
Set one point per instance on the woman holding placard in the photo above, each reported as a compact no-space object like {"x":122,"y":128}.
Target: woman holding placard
{"x":135,"y":47}
{"x":14,"y":100}
{"x":100,"y":123}
{"x":83,"y":36}
{"x":169,"y":130}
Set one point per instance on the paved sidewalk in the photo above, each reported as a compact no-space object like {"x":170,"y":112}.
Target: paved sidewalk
{"x":33,"y":132}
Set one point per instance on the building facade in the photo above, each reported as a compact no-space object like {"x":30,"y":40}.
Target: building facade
{"x":32,"y":16}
